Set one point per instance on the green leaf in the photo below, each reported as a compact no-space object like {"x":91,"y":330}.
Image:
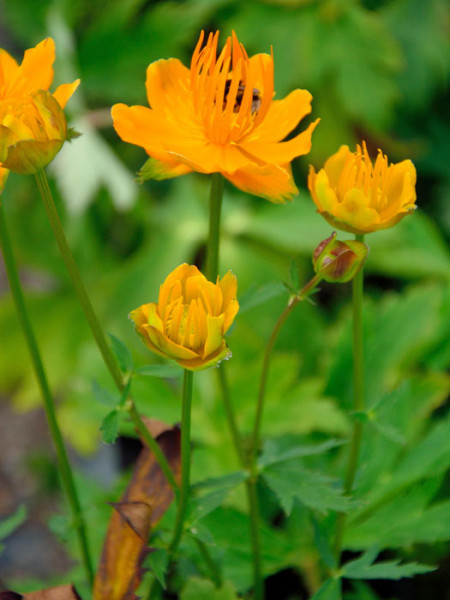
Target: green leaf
{"x":158,"y":561}
{"x":330,"y":590}
{"x":202,"y":505}
{"x":104,"y":396}
{"x":326,"y":552}
{"x":289,"y":481}
{"x":256,"y":296}
{"x":363,"y":568}
{"x":110,"y":427}
{"x":11,"y":523}
{"x":272,"y":452}
{"x":164,"y":371}
{"x":122,"y":354}
{"x":203,"y":589}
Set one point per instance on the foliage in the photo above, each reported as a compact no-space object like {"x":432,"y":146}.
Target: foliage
{"x":374,"y":71}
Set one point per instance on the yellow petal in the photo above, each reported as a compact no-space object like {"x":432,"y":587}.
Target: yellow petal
{"x":283,"y":116}
{"x":214,"y":336}
{"x":200,"y":363}
{"x":3,"y":177}
{"x":228,"y":285}
{"x":36,"y":71}
{"x":355,"y":212}
{"x":323,"y":194}
{"x":272,"y":182}
{"x":64,"y":92}
{"x":335,"y":165}
{"x":167,"y":83}
{"x":281,"y":152}
{"x":168,"y":347}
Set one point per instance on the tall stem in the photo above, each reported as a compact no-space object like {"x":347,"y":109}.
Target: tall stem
{"x":185,"y":461}
{"x":358,"y":398}
{"x":97,"y":331}
{"x":215,"y":207}
{"x":61,"y":454}
{"x":256,"y":435}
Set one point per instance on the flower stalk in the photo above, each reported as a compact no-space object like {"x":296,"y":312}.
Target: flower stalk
{"x":215,"y":207}
{"x":55,"y":432}
{"x":97,"y":331}
{"x":358,"y":394}
{"x":185,"y":461}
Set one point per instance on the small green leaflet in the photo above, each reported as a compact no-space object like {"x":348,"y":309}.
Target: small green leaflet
{"x":104,"y":396}
{"x":256,"y":296}
{"x":363,"y":568}
{"x":330,"y":590}
{"x":158,"y":561}
{"x":122,"y":354}
{"x":110,"y":427}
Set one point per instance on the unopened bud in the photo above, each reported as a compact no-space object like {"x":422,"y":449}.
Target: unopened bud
{"x":337,"y":261}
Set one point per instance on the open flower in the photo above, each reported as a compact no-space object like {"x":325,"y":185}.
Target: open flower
{"x":32,"y":123}
{"x":219,"y":116}
{"x":190,"y":319}
{"x":357,"y":196}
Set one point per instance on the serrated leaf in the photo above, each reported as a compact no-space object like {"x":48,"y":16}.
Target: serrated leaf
{"x":11,"y":523}
{"x":363,"y":568}
{"x":110,"y":427}
{"x":289,"y":481}
{"x":164,"y":371}
{"x":122,"y":354}
{"x":104,"y":396}
{"x":158,"y":561}
{"x":272,"y":453}
{"x":330,"y":590}
{"x":203,"y":589}
{"x":202,"y":505}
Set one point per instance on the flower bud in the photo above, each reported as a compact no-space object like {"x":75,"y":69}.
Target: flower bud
{"x":32,"y":132}
{"x":338,"y":262}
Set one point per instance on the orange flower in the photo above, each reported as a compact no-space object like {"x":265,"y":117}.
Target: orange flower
{"x":219,"y":117}
{"x":32,"y":123}
{"x":190,"y":319}
{"x":357,"y":196}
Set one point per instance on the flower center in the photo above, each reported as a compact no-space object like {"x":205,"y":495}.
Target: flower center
{"x":256,"y":97}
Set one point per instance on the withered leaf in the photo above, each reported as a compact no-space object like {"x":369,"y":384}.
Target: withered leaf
{"x":142,"y":505}
{"x":62,"y":592}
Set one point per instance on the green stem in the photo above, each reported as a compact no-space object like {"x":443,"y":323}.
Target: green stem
{"x":61,"y":454}
{"x":304,"y":293}
{"x":91,"y":317}
{"x":358,"y":398}
{"x":151,"y":443}
{"x":235,"y":435}
{"x":77,"y":282}
{"x":215,"y":207}
{"x":256,"y":436}
{"x":213,"y":569}
{"x":185,"y":461}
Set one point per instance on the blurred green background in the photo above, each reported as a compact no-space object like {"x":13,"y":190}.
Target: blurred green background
{"x":377,"y":71}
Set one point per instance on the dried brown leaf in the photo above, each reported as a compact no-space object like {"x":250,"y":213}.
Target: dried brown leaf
{"x":144,"y":502}
{"x":62,"y":592}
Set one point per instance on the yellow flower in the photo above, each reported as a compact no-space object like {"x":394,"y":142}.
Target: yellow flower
{"x":357,"y":196}
{"x":219,"y":116}
{"x":190,"y":319}
{"x":32,"y":123}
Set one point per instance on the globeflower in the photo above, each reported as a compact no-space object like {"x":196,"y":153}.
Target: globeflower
{"x":355,"y":195}
{"x":190,"y":319}
{"x":33,"y":127}
{"x":219,"y":116}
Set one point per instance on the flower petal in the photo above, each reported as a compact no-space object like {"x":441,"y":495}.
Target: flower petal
{"x":272,"y":182}
{"x":166,"y":346}
{"x":282,"y":117}
{"x":281,"y":152}
{"x":168,"y":82}
{"x":228,"y":285}
{"x":355,"y":211}
{"x":36,"y":71}
{"x":214,"y":334}
{"x":64,"y":92}
{"x":200,"y":363}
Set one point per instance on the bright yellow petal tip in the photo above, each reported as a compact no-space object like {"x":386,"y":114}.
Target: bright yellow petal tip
{"x":190,"y":319}
{"x":219,"y":116}
{"x":360,"y":196}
